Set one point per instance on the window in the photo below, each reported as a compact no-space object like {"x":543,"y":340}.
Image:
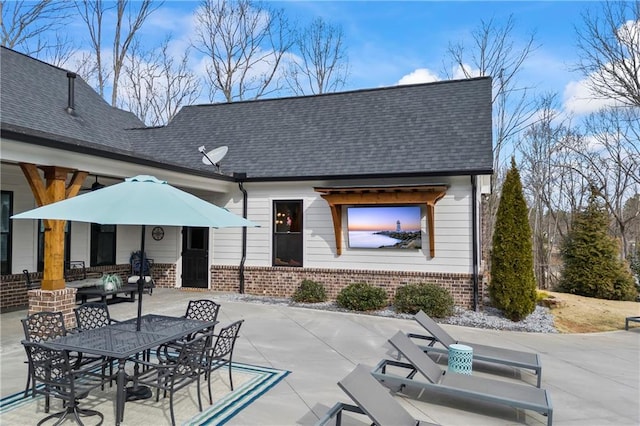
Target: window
{"x":5,"y":232}
{"x":67,"y":244}
{"x":103,"y":244}
{"x":287,"y":233}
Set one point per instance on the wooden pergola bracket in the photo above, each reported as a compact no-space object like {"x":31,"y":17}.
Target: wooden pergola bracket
{"x":53,"y":188}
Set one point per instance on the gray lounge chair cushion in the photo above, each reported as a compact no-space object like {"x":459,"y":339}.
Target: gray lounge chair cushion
{"x":374,"y":399}
{"x":512,"y":394}
{"x":492,"y":354}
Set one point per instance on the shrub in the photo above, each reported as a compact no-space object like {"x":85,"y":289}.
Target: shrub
{"x":434,"y":300}
{"x":542,"y":295}
{"x":362,"y":297}
{"x":513,"y":285}
{"x":592,"y":266}
{"x":310,"y":292}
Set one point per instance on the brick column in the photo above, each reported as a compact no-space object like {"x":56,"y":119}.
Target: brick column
{"x":62,"y":300}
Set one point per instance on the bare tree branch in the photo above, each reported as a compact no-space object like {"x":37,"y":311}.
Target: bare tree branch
{"x":323,"y":65}
{"x":25,"y":24}
{"x":607,"y":166}
{"x":552,"y":189}
{"x":609,"y":47}
{"x":158,"y":84}
{"x":245,"y":43}
{"x":494,"y":53}
{"x":130,"y":16}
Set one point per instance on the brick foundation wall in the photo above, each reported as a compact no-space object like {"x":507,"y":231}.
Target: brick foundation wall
{"x":63,"y":300}
{"x":13,"y":288}
{"x":164,"y":274}
{"x":13,"y":292}
{"x":282,"y":282}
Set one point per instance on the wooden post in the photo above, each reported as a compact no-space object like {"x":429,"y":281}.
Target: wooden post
{"x":55,"y":190}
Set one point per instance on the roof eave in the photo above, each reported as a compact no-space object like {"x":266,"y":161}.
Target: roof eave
{"x":436,"y":173}
{"x":44,"y":139}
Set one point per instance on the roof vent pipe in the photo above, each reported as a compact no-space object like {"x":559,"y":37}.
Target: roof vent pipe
{"x":71,"y":98}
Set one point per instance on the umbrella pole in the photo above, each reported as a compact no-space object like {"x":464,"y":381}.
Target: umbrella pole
{"x":141,"y":279}
{"x":136,"y":391}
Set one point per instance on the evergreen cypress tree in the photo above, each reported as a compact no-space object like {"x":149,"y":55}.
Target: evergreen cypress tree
{"x":592,"y":266}
{"x":513,"y":285}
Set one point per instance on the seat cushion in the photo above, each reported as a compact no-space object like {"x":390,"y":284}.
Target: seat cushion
{"x":133,"y":279}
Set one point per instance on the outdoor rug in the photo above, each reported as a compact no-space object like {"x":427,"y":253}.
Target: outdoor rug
{"x":249,"y":381}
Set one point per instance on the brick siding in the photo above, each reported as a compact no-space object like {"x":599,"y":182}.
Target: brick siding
{"x":282,"y":282}
{"x":13,"y":288}
{"x":63,"y":300}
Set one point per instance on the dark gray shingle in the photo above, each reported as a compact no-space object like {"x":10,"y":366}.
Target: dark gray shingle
{"x":436,"y":128}
{"x":425,"y":129}
{"x":34,"y":95}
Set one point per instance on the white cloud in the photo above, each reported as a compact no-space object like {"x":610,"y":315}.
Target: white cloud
{"x":420,"y":75}
{"x":578,"y":98}
{"x":464,"y":71}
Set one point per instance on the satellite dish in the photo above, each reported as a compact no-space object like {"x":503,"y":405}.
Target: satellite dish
{"x":213,"y":157}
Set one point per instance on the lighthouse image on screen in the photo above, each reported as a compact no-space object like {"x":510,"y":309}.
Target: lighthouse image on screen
{"x":384,"y":227}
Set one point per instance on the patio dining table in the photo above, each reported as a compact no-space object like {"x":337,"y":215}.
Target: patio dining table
{"x":121,"y":341}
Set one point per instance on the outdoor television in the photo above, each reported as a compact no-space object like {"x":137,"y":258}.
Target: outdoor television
{"x":384,"y":227}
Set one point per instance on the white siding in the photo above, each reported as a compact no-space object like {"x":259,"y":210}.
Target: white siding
{"x":24,"y":237}
{"x":453,"y":237}
{"x":128,"y":239}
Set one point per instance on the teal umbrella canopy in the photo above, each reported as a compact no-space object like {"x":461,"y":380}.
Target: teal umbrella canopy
{"x":140,"y":200}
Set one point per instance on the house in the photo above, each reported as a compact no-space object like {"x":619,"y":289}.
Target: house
{"x":315,"y":172}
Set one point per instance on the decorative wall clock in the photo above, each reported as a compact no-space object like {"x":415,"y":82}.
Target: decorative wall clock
{"x":157,"y":233}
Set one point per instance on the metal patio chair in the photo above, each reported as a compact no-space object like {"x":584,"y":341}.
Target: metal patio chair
{"x":40,"y":327}
{"x":91,"y":315}
{"x":176,"y":373}
{"x":221,"y":353}
{"x":201,"y":310}
{"x":54,"y":370}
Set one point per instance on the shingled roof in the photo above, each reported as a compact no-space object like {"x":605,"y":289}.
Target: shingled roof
{"x":441,"y":128}
{"x":34,"y":98}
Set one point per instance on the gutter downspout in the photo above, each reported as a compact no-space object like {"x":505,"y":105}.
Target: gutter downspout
{"x":474,"y":224}
{"x":241,"y":176}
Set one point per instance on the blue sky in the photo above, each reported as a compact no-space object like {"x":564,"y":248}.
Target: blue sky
{"x":393,"y":42}
{"x":388,"y":41}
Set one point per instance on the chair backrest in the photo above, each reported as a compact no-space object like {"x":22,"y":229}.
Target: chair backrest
{"x":49,"y":366}
{"x":92,"y":315}
{"x":436,"y":331}
{"x":43,"y":326}
{"x":421,"y":361}
{"x":27,"y":279}
{"x":136,"y":261}
{"x":226,"y":339}
{"x":189,"y":361}
{"x":203,"y":310}
{"x":374,"y":399}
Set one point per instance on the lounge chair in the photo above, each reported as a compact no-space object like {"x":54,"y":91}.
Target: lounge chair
{"x":373,"y":401}
{"x":630,"y":319}
{"x":460,"y":385}
{"x":490,"y":354}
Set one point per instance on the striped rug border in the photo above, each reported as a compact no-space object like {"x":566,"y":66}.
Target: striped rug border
{"x":222,"y":410}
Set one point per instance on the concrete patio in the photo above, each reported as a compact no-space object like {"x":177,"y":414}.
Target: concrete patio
{"x":593,"y":379}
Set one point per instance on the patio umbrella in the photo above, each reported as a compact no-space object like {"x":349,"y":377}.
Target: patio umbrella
{"x":141,"y":200}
